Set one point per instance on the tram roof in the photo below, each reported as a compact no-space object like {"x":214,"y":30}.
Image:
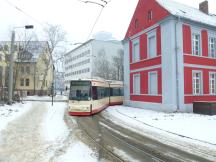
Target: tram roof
{"x":98,"y":79}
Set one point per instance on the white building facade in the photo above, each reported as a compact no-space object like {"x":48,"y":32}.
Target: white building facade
{"x":81,"y":62}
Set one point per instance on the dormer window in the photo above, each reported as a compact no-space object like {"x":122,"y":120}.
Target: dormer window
{"x":136,"y":23}
{"x":150,"y":15}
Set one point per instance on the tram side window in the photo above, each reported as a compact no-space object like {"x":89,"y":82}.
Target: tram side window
{"x":99,"y":93}
{"x":107,"y":92}
{"x":116,"y":91}
{"x":111,"y":91}
{"x":94,"y":93}
{"x":121,"y":92}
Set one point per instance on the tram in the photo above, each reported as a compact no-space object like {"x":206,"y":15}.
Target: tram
{"x":115,"y":93}
{"x":88,"y":97}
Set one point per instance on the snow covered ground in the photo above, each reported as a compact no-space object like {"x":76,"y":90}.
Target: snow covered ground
{"x":195,"y":126}
{"x":36,"y":131}
{"x":54,"y":127}
{"x":57,"y":97}
{"x":9,"y":113}
{"x":192,"y":132}
{"x":77,"y":153}
{"x":43,"y":127}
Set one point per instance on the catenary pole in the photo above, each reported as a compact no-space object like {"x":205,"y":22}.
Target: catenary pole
{"x":11,"y":64}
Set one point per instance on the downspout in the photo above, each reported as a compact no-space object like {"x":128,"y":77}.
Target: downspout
{"x":177,"y":68}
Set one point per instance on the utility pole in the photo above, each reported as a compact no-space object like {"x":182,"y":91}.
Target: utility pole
{"x":52,"y":87}
{"x":11,"y":63}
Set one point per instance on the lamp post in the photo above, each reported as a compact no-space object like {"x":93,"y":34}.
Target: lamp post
{"x":52,"y":86}
{"x":11,"y":63}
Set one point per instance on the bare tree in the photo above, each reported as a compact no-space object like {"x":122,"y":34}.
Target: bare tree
{"x":23,"y":48}
{"x":110,"y":69}
{"x":102,"y":65}
{"x":55,"y":35}
{"x":118,"y":67}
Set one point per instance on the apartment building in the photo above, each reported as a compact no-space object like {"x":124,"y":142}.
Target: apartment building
{"x":93,"y":58}
{"x":30,"y":62}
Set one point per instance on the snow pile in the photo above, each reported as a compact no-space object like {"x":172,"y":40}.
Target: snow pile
{"x":57,"y":97}
{"x":77,"y":153}
{"x":195,"y":126}
{"x":54,"y":127}
{"x":10,"y":112}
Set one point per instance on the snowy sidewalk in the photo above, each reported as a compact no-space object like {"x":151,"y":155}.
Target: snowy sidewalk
{"x":37,"y":132}
{"x":21,"y":139}
{"x":191,"y":132}
{"x":32,"y":131}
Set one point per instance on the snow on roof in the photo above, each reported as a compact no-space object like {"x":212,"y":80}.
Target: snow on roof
{"x":184,"y":11}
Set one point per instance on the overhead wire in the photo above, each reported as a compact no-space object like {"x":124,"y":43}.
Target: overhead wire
{"x":25,"y":13}
{"x":97,"y":18}
{"x":44,"y":24}
{"x":95,"y":23}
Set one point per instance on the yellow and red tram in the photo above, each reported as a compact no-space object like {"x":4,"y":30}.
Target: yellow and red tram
{"x":87,"y":97}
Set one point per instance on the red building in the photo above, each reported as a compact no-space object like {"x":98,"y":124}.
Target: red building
{"x":170,"y":56}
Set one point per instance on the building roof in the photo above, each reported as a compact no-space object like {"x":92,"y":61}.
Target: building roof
{"x":89,"y":41}
{"x":35,"y":48}
{"x":82,"y":44}
{"x":184,"y":11}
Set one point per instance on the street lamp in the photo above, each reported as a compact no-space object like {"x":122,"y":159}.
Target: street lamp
{"x":11,"y":62}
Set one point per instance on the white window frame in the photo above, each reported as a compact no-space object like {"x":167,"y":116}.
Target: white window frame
{"x":212,"y":55}
{"x":139,"y":91}
{"x":134,"y":57}
{"x":194,"y":83}
{"x":149,"y":82}
{"x":196,"y":32}
{"x":27,"y":85}
{"x":22,"y":82}
{"x":150,"y":35}
{"x":211,"y":90}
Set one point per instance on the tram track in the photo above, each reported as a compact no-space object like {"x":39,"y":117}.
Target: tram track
{"x":95,"y":141}
{"x":202,"y":151}
{"x":144,"y":155}
{"x":136,"y":148}
{"x":159,"y":150}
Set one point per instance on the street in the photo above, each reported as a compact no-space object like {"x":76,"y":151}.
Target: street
{"x":46,"y":133}
{"x":117,"y":139}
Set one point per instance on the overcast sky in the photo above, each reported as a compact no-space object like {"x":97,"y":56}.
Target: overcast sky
{"x":75,"y":17}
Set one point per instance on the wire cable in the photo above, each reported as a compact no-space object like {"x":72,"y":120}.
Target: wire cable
{"x":102,"y":5}
{"x":95,"y":23}
{"x":25,"y":13}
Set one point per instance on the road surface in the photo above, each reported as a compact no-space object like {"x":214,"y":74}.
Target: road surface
{"x":121,"y":141}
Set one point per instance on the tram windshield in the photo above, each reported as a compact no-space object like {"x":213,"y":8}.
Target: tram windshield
{"x":80,"y":90}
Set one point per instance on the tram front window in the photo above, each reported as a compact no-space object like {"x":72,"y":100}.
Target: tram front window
{"x":80,"y":90}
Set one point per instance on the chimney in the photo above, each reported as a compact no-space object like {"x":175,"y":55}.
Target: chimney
{"x":203,"y":6}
